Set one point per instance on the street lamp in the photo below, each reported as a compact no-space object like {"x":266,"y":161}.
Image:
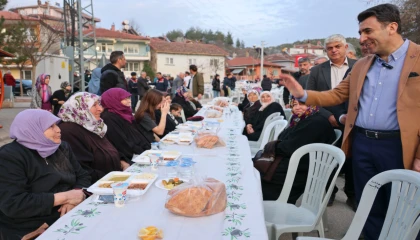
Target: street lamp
{"x":262,"y":58}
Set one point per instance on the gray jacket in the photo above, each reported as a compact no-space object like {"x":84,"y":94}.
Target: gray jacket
{"x":178,"y":82}
{"x":37,"y":99}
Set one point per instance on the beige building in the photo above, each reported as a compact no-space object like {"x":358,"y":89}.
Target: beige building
{"x":175,"y":57}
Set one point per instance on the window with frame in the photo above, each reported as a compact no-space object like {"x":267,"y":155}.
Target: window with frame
{"x":169,"y":61}
{"x":264,"y":71}
{"x":131,"y":48}
{"x":133,"y":66}
{"x":27,"y":74}
{"x":34,"y":11}
{"x":214,"y":62}
{"x":105,"y":47}
{"x":192,"y":61}
{"x":275,"y":72}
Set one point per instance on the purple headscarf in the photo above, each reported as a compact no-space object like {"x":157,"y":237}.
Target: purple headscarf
{"x":111,"y":100}
{"x":28,"y":129}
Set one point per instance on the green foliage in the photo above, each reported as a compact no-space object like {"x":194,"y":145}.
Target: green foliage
{"x":3,"y":4}
{"x":229,"y":39}
{"x":242,"y":44}
{"x":238,"y":43}
{"x":149,"y":71}
{"x":174,"y":34}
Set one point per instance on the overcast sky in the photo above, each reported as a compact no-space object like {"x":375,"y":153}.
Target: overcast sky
{"x":272,"y":21}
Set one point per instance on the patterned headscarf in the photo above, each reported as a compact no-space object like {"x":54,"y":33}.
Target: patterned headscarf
{"x":254,"y":92}
{"x":264,"y":105}
{"x":64,"y":84}
{"x":41,"y":80}
{"x":77,"y":110}
{"x":28,"y":129}
{"x":297,"y":118}
{"x":180,"y":91}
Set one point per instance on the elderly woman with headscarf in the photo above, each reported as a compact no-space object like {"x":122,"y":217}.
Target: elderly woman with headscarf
{"x":253,"y":105}
{"x":95,"y":81}
{"x":306,"y":126}
{"x":38,"y":175}
{"x":182,"y":99}
{"x":41,"y":93}
{"x":123,"y":131}
{"x":256,"y":123}
{"x":60,"y":96}
{"x":83,"y":128}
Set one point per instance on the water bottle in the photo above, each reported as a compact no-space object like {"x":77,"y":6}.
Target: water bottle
{"x":171,"y":169}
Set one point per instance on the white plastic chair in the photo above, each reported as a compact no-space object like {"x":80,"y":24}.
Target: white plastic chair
{"x":269,"y":135}
{"x":282,"y":217}
{"x":183,"y":116}
{"x":268,"y":120}
{"x":337,"y":136}
{"x":288,"y":113}
{"x":401,"y":221}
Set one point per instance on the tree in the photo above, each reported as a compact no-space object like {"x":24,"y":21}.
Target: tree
{"x":229,"y":40}
{"x":149,"y":71}
{"x":31,"y":41}
{"x":242,"y":44}
{"x":238,"y":43}
{"x":3,"y":4}
{"x":135,"y":26}
{"x":174,"y":34}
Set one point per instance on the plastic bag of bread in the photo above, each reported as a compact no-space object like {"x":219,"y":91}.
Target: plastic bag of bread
{"x":208,"y":139}
{"x":221,"y":102}
{"x":212,"y":113}
{"x":197,"y":198}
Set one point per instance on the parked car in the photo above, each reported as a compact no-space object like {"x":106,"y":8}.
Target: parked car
{"x":27,"y":87}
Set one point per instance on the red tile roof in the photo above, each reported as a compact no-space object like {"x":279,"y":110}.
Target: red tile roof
{"x":5,"y":54}
{"x":106,"y":33}
{"x":246,"y":61}
{"x":52,"y":7}
{"x":15,"y":16}
{"x":279,"y":57}
{"x":186,"y":48}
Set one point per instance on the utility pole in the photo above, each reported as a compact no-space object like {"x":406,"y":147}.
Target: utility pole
{"x":262,"y":60}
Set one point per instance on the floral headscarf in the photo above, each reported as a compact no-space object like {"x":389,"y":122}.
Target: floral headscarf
{"x":180,"y":91}
{"x":264,"y":105}
{"x":297,"y":118}
{"x":77,"y":110}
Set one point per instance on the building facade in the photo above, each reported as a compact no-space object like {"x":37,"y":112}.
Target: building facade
{"x":249,"y":68}
{"x":175,"y":57}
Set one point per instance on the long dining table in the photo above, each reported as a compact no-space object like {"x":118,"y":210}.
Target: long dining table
{"x":231,"y":164}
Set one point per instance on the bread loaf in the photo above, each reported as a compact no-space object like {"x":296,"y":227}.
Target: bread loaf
{"x":206,"y":141}
{"x":206,"y":198}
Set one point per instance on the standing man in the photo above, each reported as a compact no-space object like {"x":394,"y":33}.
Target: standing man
{"x":133,"y":89}
{"x":304,"y":66}
{"x":142,"y":85}
{"x":196,"y":83}
{"x":112,"y":76}
{"x":178,"y":82}
{"x":320,"y":60}
{"x":266,"y":83}
{"x":9,"y":80}
{"x":381,"y":126}
{"x":304,"y":70}
{"x":325,"y":77}
{"x":351,"y":52}
{"x":187,"y":79}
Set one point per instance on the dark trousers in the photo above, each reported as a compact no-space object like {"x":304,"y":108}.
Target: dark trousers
{"x":134,"y":101}
{"x":370,"y":157}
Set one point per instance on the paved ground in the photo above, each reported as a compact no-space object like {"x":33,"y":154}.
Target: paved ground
{"x":339,"y":215}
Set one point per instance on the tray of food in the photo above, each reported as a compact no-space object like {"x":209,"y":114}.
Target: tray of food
{"x":139,"y":183}
{"x":144,"y":158}
{"x":181,"y":138}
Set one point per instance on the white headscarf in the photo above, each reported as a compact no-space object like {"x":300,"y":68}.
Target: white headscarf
{"x":264,"y":105}
{"x":254,"y":92}
{"x":77,"y":110}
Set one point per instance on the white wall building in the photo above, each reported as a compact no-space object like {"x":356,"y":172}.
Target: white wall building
{"x":175,"y":57}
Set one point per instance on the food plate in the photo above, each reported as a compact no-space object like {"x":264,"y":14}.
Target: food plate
{"x":181,"y":138}
{"x":167,"y":156}
{"x":159,"y":183}
{"x":139,"y":183}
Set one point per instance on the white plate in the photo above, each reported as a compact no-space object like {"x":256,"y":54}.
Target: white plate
{"x":160,"y":185}
{"x":144,"y":159}
{"x":181,"y":138}
{"x":132,"y":179}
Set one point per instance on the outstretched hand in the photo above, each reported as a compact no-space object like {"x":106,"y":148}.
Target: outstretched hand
{"x":292,"y":85}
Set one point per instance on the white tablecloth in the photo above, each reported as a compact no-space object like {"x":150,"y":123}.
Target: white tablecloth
{"x":242,"y":219}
